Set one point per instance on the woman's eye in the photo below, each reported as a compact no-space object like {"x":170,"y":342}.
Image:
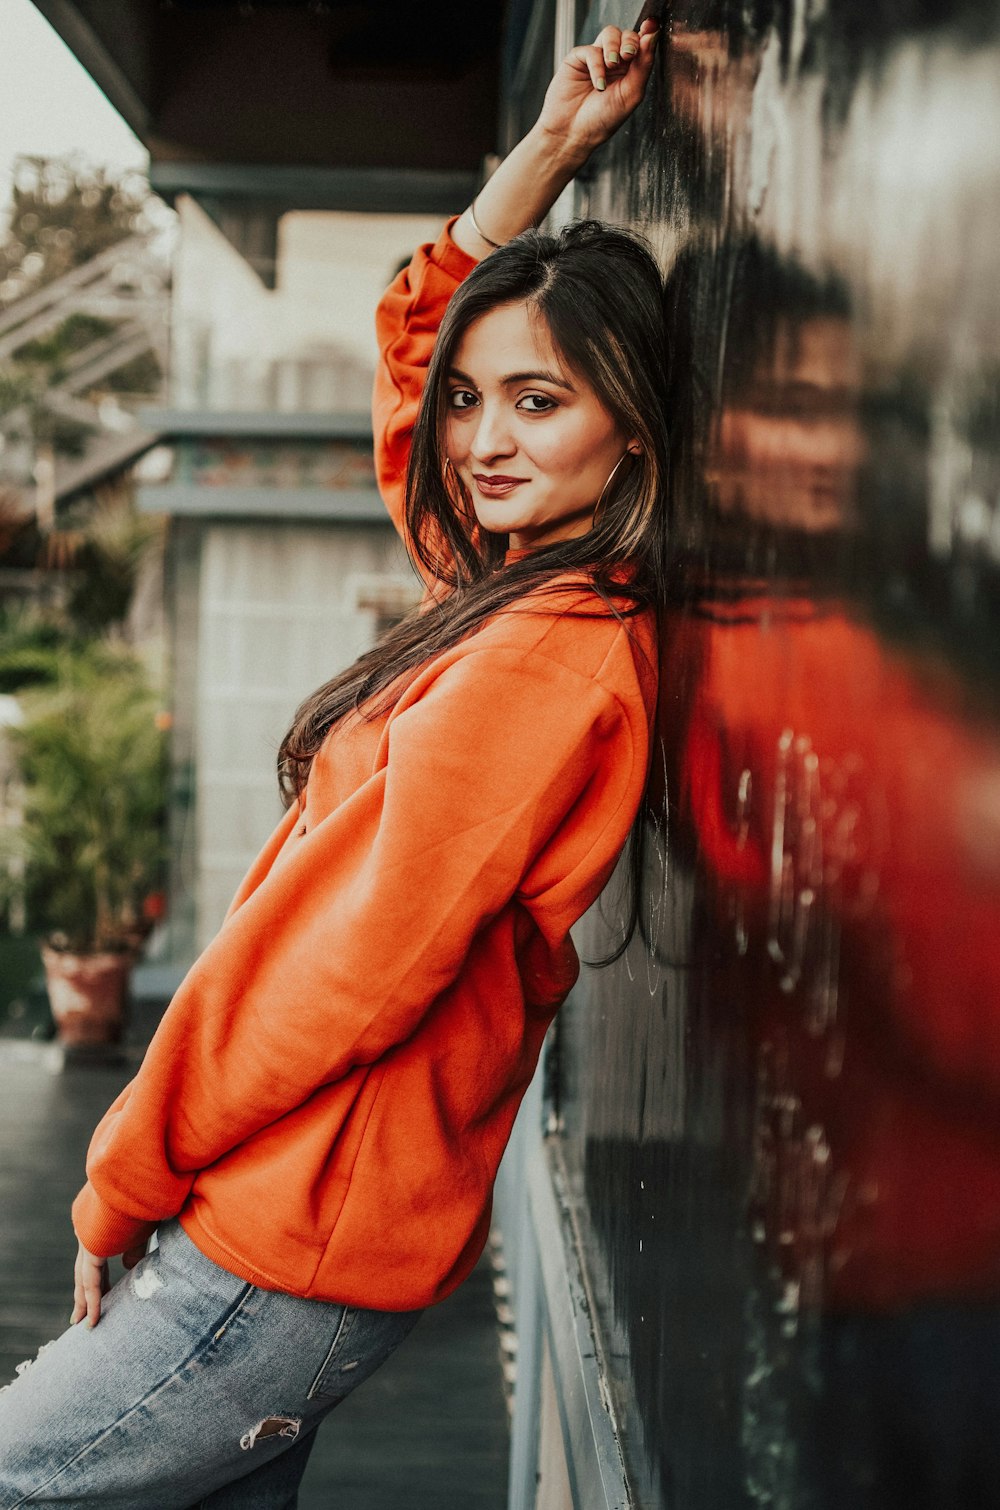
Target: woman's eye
{"x":536,"y":403}
{"x":461,"y":398}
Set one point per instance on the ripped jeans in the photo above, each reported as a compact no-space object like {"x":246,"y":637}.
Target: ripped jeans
{"x":195,"y":1389}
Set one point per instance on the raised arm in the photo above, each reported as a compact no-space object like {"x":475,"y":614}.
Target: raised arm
{"x":595,"y":89}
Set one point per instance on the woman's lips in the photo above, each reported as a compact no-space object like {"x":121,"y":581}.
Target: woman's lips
{"x":497,"y":486}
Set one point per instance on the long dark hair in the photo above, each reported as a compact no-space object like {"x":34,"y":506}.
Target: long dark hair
{"x":599,"y":290}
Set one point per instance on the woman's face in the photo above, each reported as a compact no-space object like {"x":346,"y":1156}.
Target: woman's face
{"x":530,"y":440}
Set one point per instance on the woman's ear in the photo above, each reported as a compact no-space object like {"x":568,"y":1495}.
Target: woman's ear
{"x":634,"y":448}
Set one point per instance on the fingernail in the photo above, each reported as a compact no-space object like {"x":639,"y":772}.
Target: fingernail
{"x":628,"y":51}
{"x":600,"y":84}
{"x":612,"y":57}
{"x":89,"y":1324}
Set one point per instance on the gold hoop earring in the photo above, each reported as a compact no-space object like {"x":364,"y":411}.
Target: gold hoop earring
{"x":611,"y":477}
{"x":449,"y":475}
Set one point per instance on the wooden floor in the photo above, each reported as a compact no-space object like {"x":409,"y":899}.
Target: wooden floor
{"x":429,"y":1430}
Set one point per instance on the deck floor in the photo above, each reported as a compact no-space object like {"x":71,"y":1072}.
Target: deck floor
{"x":429,"y":1430}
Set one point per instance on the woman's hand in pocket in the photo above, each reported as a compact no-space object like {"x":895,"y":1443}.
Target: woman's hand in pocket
{"x":91,"y":1282}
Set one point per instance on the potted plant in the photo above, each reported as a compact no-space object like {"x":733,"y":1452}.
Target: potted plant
{"x":91,"y":757}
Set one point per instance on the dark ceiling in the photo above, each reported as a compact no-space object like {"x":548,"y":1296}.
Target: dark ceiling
{"x":310,"y":83}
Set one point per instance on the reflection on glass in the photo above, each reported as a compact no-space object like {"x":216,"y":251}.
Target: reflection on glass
{"x":782,"y":1106}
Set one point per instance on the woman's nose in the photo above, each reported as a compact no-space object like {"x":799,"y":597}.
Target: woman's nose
{"x":493,"y":437}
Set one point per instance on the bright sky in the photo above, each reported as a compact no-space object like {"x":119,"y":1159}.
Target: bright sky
{"x":49,"y":104}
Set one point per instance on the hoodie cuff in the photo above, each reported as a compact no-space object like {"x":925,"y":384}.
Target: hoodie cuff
{"x":105,"y":1231}
{"x":449,"y":256}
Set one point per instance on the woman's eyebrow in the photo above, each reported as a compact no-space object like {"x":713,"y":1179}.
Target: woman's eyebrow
{"x":517,"y":377}
{"x":545,"y":377}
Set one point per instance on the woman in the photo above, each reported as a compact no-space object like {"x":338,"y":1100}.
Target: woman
{"x":315,"y":1129}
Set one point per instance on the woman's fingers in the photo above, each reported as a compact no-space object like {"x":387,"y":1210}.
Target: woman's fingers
{"x":617,"y":45}
{"x":589,"y":97}
{"x":79,"y":1298}
{"x":593,"y":60}
{"x":617,"y":42}
{"x":610,"y":43}
{"x":607,"y":60}
{"x":641,"y":65}
{"x":90,"y":1283}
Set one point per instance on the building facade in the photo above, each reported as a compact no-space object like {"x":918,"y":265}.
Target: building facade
{"x":751,"y":1212}
{"x":282,"y":563}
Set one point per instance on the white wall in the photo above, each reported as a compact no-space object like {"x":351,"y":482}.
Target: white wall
{"x":239,"y":345}
{"x":278,"y":617}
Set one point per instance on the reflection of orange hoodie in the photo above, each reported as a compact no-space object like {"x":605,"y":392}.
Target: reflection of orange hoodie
{"x":328,"y":1095}
{"x":831,"y":798}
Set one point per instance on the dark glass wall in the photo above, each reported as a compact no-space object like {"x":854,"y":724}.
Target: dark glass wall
{"x":781,"y":1109}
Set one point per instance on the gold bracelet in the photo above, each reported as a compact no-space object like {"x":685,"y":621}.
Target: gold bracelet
{"x":478,"y":227}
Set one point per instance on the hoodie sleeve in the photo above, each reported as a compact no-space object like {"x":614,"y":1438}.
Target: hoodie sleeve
{"x":406,"y":324}
{"x":344,"y":946}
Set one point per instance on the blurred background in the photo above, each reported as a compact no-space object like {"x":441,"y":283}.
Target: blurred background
{"x":747,"y":1238}
{"x":190,"y":541}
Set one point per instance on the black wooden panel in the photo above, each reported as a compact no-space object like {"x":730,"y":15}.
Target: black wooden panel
{"x":782,"y":1108}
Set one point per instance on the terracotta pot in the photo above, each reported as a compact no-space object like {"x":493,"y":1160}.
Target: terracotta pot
{"x":87,"y":994}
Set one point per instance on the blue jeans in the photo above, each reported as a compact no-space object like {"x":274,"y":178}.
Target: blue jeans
{"x":195,"y":1389}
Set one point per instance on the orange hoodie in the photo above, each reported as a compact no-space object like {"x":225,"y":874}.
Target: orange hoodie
{"x":328,"y":1095}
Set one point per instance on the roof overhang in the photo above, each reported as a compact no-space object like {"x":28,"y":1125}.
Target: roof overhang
{"x":274,"y":105}
{"x":352,"y":87}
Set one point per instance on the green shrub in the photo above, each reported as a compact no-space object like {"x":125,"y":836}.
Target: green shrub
{"x":91,"y":756}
